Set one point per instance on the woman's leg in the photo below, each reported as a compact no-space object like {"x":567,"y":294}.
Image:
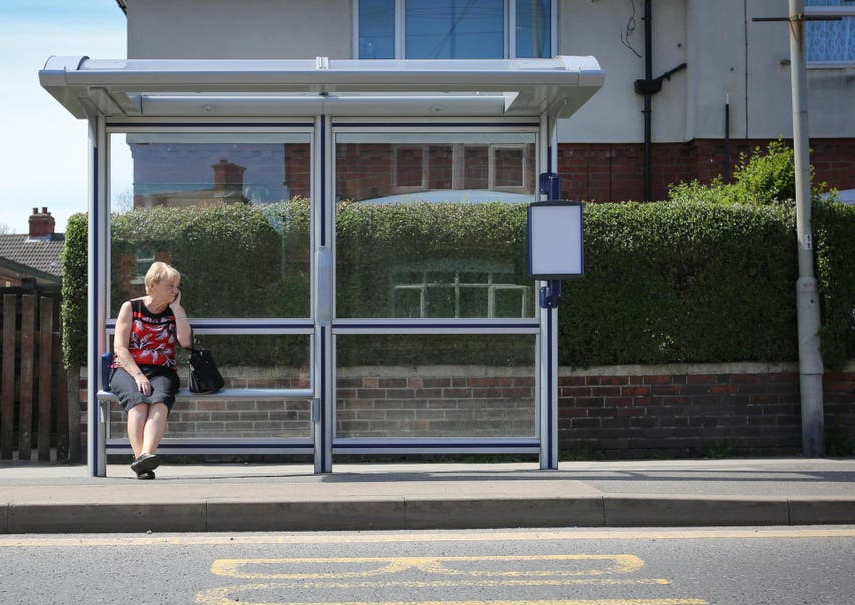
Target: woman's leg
{"x":155,"y":427}
{"x":137,"y":420}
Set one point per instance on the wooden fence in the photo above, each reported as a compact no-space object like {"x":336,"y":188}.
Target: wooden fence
{"x":33,"y":390}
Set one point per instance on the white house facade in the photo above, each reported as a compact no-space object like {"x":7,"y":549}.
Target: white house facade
{"x":720,"y":79}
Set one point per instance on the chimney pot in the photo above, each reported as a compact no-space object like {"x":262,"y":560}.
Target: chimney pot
{"x":41,"y":225}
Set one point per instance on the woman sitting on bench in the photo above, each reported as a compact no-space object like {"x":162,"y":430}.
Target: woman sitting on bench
{"x":144,"y":377}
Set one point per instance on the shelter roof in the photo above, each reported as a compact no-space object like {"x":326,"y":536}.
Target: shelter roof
{"x":129,"y":88}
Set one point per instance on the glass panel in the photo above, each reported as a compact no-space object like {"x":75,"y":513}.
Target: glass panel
{"x":830,"y":40}
{"x":214,"y":205}
{"x":376,"y":29}
{"x":533,"y":34}
{"x":246,"y":362}
{"x":455,"y":29}
{"x":443,"y":386}
{"x":433,"y":225}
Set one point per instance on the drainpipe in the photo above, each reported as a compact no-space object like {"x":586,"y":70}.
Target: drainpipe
{"x":726,"y":138}
{"x":648,"y":87}
{"x":810,"y":359}
{"x":648,"y":99}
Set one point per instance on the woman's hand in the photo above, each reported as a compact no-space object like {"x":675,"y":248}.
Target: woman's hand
{"x":182,"y":323}
{"x":143,"y":384}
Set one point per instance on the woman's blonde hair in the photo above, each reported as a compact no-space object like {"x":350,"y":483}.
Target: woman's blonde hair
{"x":158,"y":272}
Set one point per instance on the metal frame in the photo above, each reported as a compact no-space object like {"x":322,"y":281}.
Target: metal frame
{"x":99,"y":416}
{"x":256,"y":95}
{"x":500,"y":326}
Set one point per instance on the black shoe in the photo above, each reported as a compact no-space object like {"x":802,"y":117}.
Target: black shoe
{"x":145,"y":463}
{"x":146,"y":475}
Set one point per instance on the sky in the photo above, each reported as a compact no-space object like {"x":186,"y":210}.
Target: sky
{"x":43,"y":148}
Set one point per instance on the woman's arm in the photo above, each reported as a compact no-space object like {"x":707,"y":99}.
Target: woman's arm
{"x":121,"y":340}
{"x":182,"y":324}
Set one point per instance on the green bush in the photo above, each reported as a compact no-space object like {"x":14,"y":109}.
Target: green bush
{"x":679,"y":282}
{"x":834,"y":232}
{"x":767,"y":178}
{"x":75,"y":271}
{"x":664,"y":282}
{"x":762,"y":178}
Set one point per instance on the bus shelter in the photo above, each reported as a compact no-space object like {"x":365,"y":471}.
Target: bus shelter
{"x":385,"y":309}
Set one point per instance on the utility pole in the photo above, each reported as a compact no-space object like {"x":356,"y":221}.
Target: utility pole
{"x":807,"y":294}
{"x":810,"y":359}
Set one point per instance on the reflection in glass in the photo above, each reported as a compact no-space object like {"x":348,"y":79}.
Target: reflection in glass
{"x":442,"y":386}
{"x":533,"y":33}
{"x":215,"y":205}
{"x":376,"y":29}
{"x":451,"y":29}
{"x":433,"y":225}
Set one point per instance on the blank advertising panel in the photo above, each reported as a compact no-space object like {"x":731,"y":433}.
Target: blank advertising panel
{"x":555,"y":248}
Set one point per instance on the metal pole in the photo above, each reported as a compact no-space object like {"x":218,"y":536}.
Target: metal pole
{"x":810,"y":359}
{"x":648,"y":102}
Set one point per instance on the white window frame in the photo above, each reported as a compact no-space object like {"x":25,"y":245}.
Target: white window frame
{"x":490,"y":288}
{"x":510,"y":42}
{"x":458,"y":180}
{"x":524,"y":164}
{"x":846,"y":10}
{"x":395,"y":185}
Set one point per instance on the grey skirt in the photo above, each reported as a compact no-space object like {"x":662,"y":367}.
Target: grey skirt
{"x":164,"y":384}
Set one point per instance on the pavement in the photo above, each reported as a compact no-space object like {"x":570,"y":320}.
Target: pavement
{"x":51,"y":498}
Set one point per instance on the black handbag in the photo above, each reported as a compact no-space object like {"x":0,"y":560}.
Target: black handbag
{"x":204,"y":375}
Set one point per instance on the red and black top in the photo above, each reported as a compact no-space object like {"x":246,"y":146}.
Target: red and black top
{"x":153,"y":337}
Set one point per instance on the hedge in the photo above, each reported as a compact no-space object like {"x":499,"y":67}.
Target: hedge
{"x":669,"y":282}
{"x":664,"y":282}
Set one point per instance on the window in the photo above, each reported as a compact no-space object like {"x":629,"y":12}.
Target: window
{"x":461,"y":166}
{"x":477,"y":290}
{"x":143,"y":259}
{"x":830,"y":41}
{"x":454,"y":29}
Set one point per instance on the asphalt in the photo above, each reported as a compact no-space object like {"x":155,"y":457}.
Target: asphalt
{"x":50,"y":498}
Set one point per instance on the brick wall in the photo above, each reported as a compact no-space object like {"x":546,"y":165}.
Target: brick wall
{"x":616,"y":412}
{"x":614,"y":172}
{"x":298,"y":169}
{"x":691,"y":411}
{"x":216,"y":418}
{"x":435,"y":402}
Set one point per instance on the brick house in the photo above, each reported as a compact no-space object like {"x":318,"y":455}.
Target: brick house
{"x":33,"y":259}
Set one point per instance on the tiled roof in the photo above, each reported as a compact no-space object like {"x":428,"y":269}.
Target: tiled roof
{"x":41,"y":253}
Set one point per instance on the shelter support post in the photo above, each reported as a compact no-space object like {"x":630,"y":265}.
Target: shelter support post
{"x":548,"y":353}
{"x":324,"y":341}
{"x":99,"y":233}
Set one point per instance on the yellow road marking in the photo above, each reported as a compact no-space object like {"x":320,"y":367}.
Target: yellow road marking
{"x":220,"y":596}
{"x":364,"y":537}
{"x":619,"y":564}
{"x":477,"y":583}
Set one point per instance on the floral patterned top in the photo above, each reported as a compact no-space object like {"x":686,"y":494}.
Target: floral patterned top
{"x":153,"y":337}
